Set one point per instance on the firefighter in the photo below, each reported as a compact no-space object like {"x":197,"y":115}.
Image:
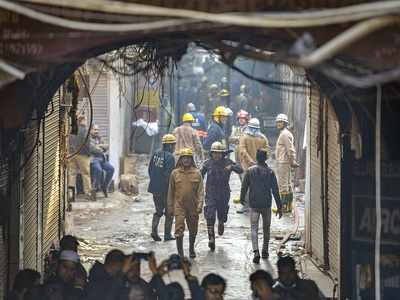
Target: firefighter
{"x":185,"y":199}
{"x":242,"y":119}
{"x":218,"y":170}
{"x":212,"y":101}
{"x":224,"y":97}
{"x":285,"y":154}
{"x":199,"y":124}
{"x":251,"y":140}
{"x":242,"y":100}
{"x":216,"y":131}
{"x":186,"y":137}
{"x":161,"y":165}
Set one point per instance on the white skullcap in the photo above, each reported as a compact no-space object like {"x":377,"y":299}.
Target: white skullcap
{"x":69,"y":255}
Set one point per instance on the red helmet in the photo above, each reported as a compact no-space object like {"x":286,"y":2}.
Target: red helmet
{"x":242,"y":114}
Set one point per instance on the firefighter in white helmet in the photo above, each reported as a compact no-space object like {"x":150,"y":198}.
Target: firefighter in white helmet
{"x":251,"y":140}
{"x":218,"y":170}
{"x":285,"y":154}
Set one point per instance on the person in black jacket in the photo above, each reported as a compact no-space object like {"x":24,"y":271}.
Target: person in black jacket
{"x":107,"y":280}
{"x":218,"y":170}
{"x":261,"y":182}
{"x":161,"y":165}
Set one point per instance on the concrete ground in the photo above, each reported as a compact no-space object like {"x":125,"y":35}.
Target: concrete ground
{"x":124,"y":222}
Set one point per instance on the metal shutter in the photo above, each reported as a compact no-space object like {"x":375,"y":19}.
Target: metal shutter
{"x":333,"y":190}
{"x":99,"y":84}
{"x":50,"y":173}
{"x":31,"y":199}
{"x":3,"y":237}
{"x":315,"y":148}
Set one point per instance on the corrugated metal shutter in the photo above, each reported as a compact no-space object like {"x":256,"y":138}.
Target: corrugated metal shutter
{"x":51,"y":172}
{"x":31,"y":199}
{"x":315,"y":147}
{"x":3,"y":237}
{"x":333,"y":190}
{"x":99,"y":84}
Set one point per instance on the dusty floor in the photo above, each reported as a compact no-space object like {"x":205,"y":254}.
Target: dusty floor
{"x":123,"y":222}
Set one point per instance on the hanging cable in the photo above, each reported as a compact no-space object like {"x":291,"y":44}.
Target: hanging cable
{"x":91,"y":116}
{"x":378,"y":199}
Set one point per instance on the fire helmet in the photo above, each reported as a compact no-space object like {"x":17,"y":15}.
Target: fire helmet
{"x":254,"y":123}
{"x":187,"y":118}
{"x":186,"y":152}
{"x":217,"y":147}
{"x":191,"y":107}
{"x":220,"y":111}
{"x":224,"y":93}
{"x":168,"y":139}
{"x":282,"y":118}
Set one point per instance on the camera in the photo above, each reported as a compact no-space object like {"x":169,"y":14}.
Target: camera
{"x":174,"y":262}
{"x":141,"y":255}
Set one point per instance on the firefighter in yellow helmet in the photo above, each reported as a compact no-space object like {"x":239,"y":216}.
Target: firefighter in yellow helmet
{"x":186,"y":137}
{"x":161,"y":165}
{"x":216,"y":131}
{"x":185,"y":199}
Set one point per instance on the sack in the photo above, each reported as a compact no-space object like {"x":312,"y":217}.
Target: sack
{"x":128,"y":184}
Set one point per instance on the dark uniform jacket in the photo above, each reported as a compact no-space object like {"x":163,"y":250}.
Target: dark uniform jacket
{"x":261,"y":181}
{"x":302,"y":289}
{"x":55,"y":289}
{"x":217,"y":185}
{"x":161,"y":165}
{"x":215,"y":134}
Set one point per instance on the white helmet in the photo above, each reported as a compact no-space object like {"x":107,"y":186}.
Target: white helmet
{"x":254,"y":123}
{"x":229,"y":112}
{"x":191,"y":107}
{"x":217,"y":147}
{"x":282,"y":118}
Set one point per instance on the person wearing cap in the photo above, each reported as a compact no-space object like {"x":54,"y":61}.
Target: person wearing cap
{"x":218,"y":170}
{"x":160,"y":167}
{"x":185,"y":199}
{"x":61,"y":286}
{"x":260,"y":181}
{"x":285,"y":155}
{"x":199,"y":124}
{"x":216,"y":131}
{"x":186,"y":137}
{"x":80,"y":162}
{"x":99,"y":163}
{"x":249,"y":142}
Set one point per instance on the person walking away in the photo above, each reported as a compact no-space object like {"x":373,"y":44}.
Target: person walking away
{"x":185,"y":199}
{"x":261,"y":284}
{"x":290,"y":286}
{"x":261,"y":183}
{"x":186,"y":137}
{"x":199,"y":124}
{"x":99,"y":163}
{"x":80,"y":163}
{"x":216,"y":131}
{"x":242,"y":118}
{"x":213,"y":100}
{"x":161,"y":165}
{"x":249,"y":142}
{"x":285,"y":154}
{"x":218,"y":170}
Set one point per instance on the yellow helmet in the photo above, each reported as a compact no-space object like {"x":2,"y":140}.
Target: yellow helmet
{"x":187,"y":118}
{"x":168,"y":139}
{"x":224,"y":93}
{"x":220,"y":111}
{"x":186,"y":152}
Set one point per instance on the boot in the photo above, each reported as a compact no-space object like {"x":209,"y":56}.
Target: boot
{"x":211,"y":237}
{"x":167,"y":228}
{"x":179,"y":246}
{"x":256,"y":258}
{"x":221,"y":228}
{"x":104,"y":189}
{"x":264,"y":254}
{"x":154,"y":228}
{"x":192,"y":240}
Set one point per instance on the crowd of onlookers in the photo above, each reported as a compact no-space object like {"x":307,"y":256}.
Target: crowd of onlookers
{"x":119,"y":277}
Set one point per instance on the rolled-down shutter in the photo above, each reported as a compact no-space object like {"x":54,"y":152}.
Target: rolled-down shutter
{"x":100,"y":96}
{"x":51,"y":171}
{"x":31,"y":198}
{"x":315,"y":148}
{"x":333,"y":190}
{"x":3,"y":237}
